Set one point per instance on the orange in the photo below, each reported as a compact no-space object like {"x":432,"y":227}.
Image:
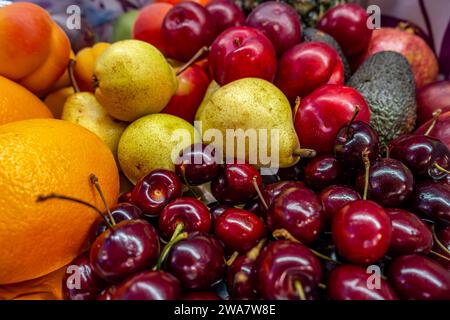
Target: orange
{"x":17,"y":103}
{"x":41,"y":156}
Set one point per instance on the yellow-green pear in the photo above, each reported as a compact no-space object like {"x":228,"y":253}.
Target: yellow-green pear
{"x":153,"y":142}
{"x":82,"y":108}
{"x":133,"y":79}
{"x":259,"y":111}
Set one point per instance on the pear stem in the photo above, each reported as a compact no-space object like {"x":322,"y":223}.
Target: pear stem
{"x":436,"y":115}
{"x":94,"y":180}
{"x":72,"y":79}
{"x":298,"y":286}
{"x":366,"y":160}
{"x":193,"y":60}
{"x":305,"y":153}
{"x":260,"y":195}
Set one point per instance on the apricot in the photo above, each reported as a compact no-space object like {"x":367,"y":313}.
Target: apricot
{"x":84,"y":67}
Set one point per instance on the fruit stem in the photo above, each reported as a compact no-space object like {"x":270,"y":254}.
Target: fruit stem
{"x":366,"y":160}
{"x":322,"y":286}
{"x":298,"y":286}
{"x":72,"y":79}
{"x":440,"y":255}
{"x":258,"y":191}
{"x":438,"y":242}
{"x":296,"y":105}
{"x":233,"y":257}
{"x":94,"y":180}
{"x":177,"y":236}
{"x":193,"y":60}
{"x":255,"y":251}
{"x":183,"y":173}
{"x":305,"y":153}
{"x":355,"y":114}
{"x":436,"y":115}
{"x":440,"y":168}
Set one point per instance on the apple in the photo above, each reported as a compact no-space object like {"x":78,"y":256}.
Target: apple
{"x":433,"y":96}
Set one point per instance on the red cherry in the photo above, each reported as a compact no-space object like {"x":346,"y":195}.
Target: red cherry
{"x":226,"y":14}
{"x":334,"y":198}
{"x":442,"y":246}
{"x":201,"y":295}
{"x":322,"y":171}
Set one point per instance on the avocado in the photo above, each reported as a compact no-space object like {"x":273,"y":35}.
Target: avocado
{"x":312,"y":34}
{"x":387,"y":83}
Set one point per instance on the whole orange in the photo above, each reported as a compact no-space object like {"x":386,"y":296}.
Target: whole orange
{"x":42,"y":156}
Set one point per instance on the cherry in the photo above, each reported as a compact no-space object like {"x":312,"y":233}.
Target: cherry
{"x":416,"y":277}
{"x":226,"y":14}
{"x":242,"y":52}
{"x":349,"y":282}
{"x":90,"y":284}
{"x":254,"y":206}
{"x":239,"y":230}
{"x":271,"y":191}
{"x":298,"y":210}
{"x":197,"y":164}
{"x":334,"y":197}
{"x":190,"y":212}
{"x":201,"y":295}
{"x":347,"y":23}
{"x":322,"y":171}
{"x":409,"y":234}
{"x":156,"y":190}
{"x":198,"y":261}
{"x":235,"y":183}
{"x":128,"y":247}
{"x":107,"y":293}
{"x":287,"y":270}
{"x":279,"y":22}
{"x":125,"y":197}
{"x":306,"y":67}
{"x":149,"y":285}
{"x":442,"y":246}
{"x":188,"y":27}
{"x":432,"y":199}
{"x":362,"y":231}
{"x":217,"y":209}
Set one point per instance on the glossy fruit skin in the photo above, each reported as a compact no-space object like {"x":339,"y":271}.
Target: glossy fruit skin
{"x":272,"y":190}
{"x":432,"y":199}
{"x":202,"y":295}
{"x":441,"y":130}
{"x":192,"y":213}
{"x":90,"y":283}
{"x":279,"y":22}
{"x":234,"y":185}
{"x":322,"y":171}
{"x":132,"y":246}
{"x":362,"y":232}
{"x":198,"y":262}
{"x":226,"y":14}
{"x":409,"y":234}
{"x":323,"y":112}
{"x":239,"y":230}
{"x":351,"y":140}
{"x":416,"y":277}
{"x":242,"y":52}
{"x":199,"y":164}
{"x":431,"y":97}
{"x":280,"y":264}
{"x":443,"y":235}
{"x":217,"y":209}
{"x":299,"y":211}
{"x":390,"y":182}
{"x":306,"y":67}
{"x":350,"y":282}
{"x":347,"y":23}
{"x":241,"y":282}
{"x":334,"y":198}
{"x":149,"y":285}
{"x":188,"y":26}
{"x":156,"y":190}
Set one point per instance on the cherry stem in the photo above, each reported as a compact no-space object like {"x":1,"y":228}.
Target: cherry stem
{"x":193,"y":60}
{"x":258,"y":191}
{"x":322,"y":286}
{"x":183,"y":173}
{"x":440,"y":255}
{"x":298,"y":286}
{"x":436,"y":115}
{"x":305,"y":153}
{"x":253,"y":254}
{"x":438,"y":242}
{"x":94,"y":180}
{"x":355,"y":114}
{"x":440,"y":168}
{"x":366,"y":160}
{"x":72,"y":79}
{"x":177,"y":236}
{"x":233,"y":257}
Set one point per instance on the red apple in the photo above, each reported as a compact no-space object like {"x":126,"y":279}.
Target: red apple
{"x":441,"y":129}
{"x":431,"y":97}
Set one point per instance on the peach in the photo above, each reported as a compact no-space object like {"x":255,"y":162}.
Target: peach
{"x":84,"y":67}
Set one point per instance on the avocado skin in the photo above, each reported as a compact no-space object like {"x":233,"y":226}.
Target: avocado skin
{"x":387,"y":83}
{"x":312,"y":34}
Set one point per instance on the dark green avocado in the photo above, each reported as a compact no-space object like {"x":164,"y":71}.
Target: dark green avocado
{"x":387,"y":83}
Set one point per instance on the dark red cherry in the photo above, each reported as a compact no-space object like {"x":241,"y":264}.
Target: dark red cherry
{"x":201,"y":295}
{"x":198,"y":262}
{"x":254,"y":206}
{"x":362,"y":232}
{"x":225,"y":14}
{"x":80,"y":282}
{"x":432,"y":199}
{"x":192,"y":213}
{"x":149,"y":285}
{"x":349,"y":282}
{"x":443,"y":246}
{"x":415,"y":277}
{"x":239,"y":230}
{"x":131,"y":246}
{"x":217,"y":209}
{"x":322,"y":171}
{"x":334,"y":198}
{"x":156,"y":190}
{"x":125,"y":197}
{"x":107,"y":293}
{"x":271,"y":191}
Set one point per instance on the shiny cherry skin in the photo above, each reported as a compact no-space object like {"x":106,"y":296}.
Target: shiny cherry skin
{"x":362,"y":232}
{"x":216,"y":209}
{"x":279,"y":22}
{"x":197,"y":164}
{"x":234,"y":185}
{"x":351,"y":140}
{"x":188,"y":27}
{"x":415,"y":277}
{"x":409,"y":233}
{"x":254,"y":206}
{"x":132,"y":246}
{"x":201,"y":295}
{"x":149,"y":285}
{"x":90,"y":283}
{"x":347,"y":24}
{"x":306,"y":67}
{"x":226,"y":14}
{"x":324,"y":111}
{"x":241,"y":282}
{"x":390,"y":182}
{"x":299,"y":211}
{"x":432,"y":199}
{"x":239,"y":230}
{"x":192,"y":213}
{"x":273,"y":190}
{"x":334,"y":198}
{"x":443,"y":235}
{"x":242,"y":52}
{"x":125,"y":197}
{"x":281,"y":264}
{"x":198,"y":262}
{"x":349,"y":282}
{"x":322,"y":171}
{"x":156,"y":190}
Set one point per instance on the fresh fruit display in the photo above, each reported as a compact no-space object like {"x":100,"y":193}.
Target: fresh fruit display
{"x":221,"y":150}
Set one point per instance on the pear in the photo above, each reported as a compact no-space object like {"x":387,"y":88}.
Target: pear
{"x":133,"y":79}
{"x":252,"y":104}
{"x":153,"y":142}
